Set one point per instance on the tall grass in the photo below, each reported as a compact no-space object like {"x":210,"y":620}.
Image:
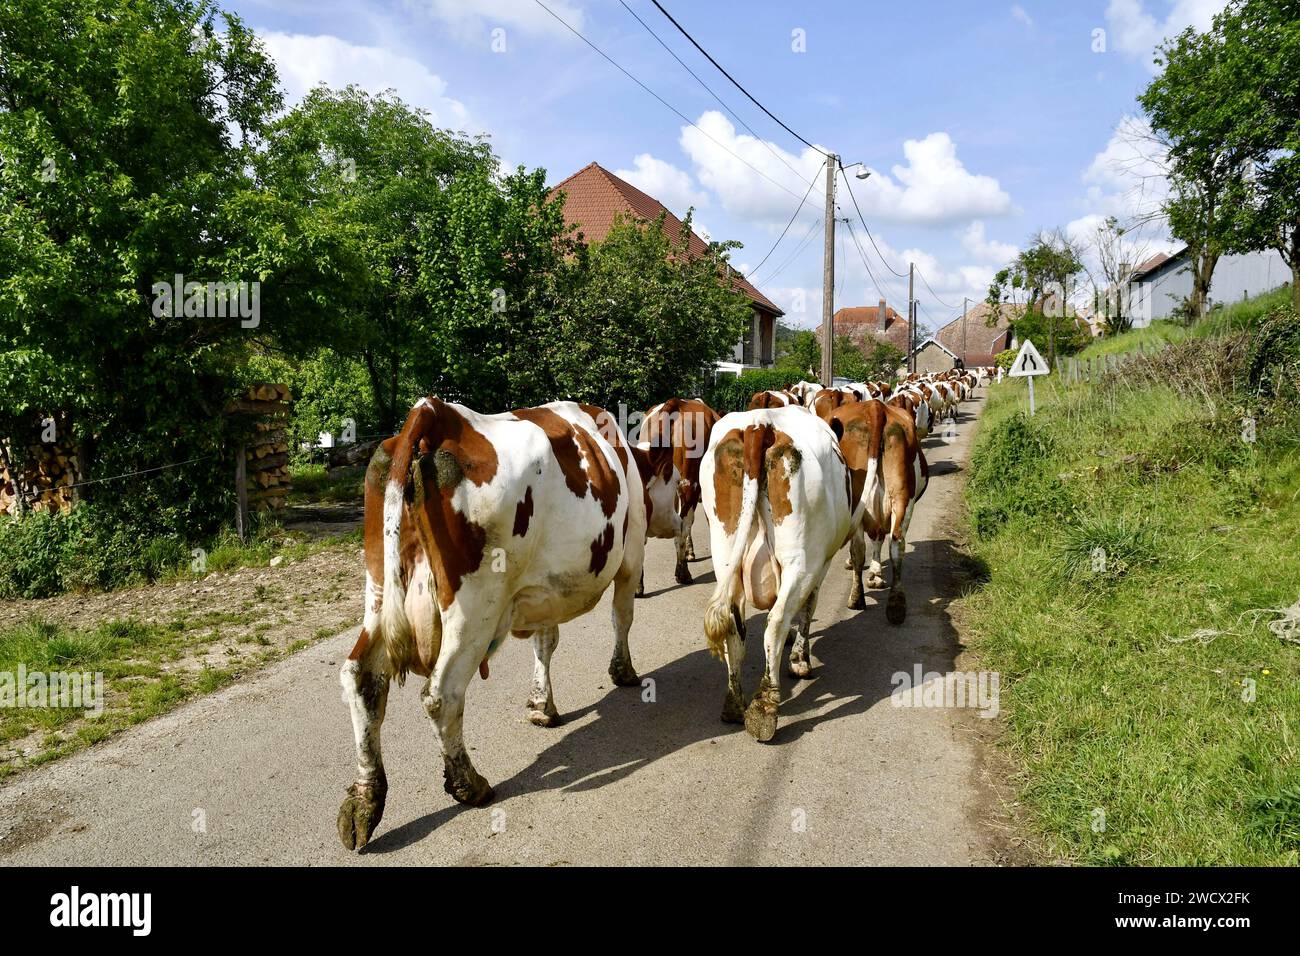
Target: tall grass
{"x":1154,"y":720}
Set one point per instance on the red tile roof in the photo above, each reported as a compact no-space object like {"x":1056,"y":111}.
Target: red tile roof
{"x":1158,"y":259}
{"x":861,"y":322}
{"x":595,"y":197}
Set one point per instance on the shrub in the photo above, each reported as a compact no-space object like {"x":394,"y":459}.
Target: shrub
{"x":1004,"y":359}
{"x":731,"y":393}
{"x":1273,"y":362}
{"x":1010,"y":476}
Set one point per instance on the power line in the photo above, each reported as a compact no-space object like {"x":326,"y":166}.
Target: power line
{"x":779,"y":158}
{"x":684,"y":118}
{"x":946,"y":305}
{"x":733,"y":80}
{"x":849,"y":186}
{"x":889,"y":292}
{"x":793,"y":216}
{"x":803,"y":244}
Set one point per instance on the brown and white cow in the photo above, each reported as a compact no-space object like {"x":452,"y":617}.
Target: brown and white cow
{"x":478,"y":527}
{"x":777,"y":497}
{"x":684,"y":426}
{"x":889,"y":475}
{"x":774,"y":399}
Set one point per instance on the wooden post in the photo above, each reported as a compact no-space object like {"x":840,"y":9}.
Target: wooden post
{"x":911,"y":315}
{"x":828,"y":276}
{"x":241,"y":495}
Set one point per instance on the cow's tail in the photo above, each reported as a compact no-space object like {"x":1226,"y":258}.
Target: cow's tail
{"x":719,"y":615}
{"x":394,"y":626}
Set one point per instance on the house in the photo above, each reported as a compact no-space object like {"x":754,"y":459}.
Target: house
{"x":975,"y":340}
{"x":931,"y":356}
{"x":595,"y":198}
{"x":1161,"y":284}
{"x":865,"y":325}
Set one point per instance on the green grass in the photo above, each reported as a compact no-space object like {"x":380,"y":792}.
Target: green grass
{"x":1125,"y":681}
{"x":315,"y":482}
{"x":1237,"y":316}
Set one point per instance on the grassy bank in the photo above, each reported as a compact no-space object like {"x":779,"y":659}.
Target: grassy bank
{"x":1132,"y":541}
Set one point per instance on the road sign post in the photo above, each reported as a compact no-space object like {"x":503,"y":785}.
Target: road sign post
{"x":1029,"y":364}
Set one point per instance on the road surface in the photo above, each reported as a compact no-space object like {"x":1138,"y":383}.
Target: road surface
{"x":255,"y":773}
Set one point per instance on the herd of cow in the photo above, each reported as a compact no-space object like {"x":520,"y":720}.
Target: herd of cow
{"x":479,"y":527}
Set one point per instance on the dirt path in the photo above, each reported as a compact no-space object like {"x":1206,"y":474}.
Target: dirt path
{"x":255,"y":773}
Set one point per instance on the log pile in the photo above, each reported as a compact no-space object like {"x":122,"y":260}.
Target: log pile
{"x":267,"y":452}
{"x":46,"y":476}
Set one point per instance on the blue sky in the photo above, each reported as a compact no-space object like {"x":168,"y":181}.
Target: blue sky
{"x":982,"y":121}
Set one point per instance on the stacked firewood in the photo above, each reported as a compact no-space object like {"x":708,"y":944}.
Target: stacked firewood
{"x":267,"y":452}
{"x":46,"y":478}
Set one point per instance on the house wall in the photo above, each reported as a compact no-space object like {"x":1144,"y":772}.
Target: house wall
{"x":1235,"y":277}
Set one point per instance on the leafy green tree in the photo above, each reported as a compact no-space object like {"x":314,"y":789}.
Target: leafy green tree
{"x":645,"y":320}
{"x":1037,"y":285}
{"x":800,"y":351}
{"x":127,"y":129}
{"x":373,"y":173}
{"x":1193,"y":106}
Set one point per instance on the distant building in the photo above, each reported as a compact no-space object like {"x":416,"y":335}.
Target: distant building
{"x":931,"y":356}
{"x":867,"y":324}
{"x":975,"y":340}
{"x":1161,"y":284}
{"x":595,"y":197}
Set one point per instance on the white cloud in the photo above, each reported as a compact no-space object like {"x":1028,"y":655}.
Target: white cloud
{"x":1127,"y":179}
{"x":720,"y":155}
{"x":979,"y":246}
{"x":933,"y":188}
{"x":306,"y":61}
{"x":472,"y":19}
{"x":1136,"y":32}
{"x":1019,"y":13}
{"x":671,"y":186}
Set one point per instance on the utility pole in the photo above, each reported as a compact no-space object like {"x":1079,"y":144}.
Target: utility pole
{"x":964,"y":300}
{"x":911,"y":317}
{"x":828,"y":275}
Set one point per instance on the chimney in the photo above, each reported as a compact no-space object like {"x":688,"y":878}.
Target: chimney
{"x":882,"y":316}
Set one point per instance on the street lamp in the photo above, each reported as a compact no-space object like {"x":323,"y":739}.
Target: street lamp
{"x":863,"y":173}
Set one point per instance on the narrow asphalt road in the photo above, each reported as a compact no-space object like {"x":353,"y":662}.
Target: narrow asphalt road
{"x":254,"y":774}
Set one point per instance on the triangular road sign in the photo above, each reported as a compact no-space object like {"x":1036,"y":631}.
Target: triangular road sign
{"x":1028,"y":362}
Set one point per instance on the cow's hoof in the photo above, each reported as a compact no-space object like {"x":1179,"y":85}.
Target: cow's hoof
{"x":361,"y":812}
{"x":544,"y":714}
{"x":468,"y":788}
{"x":683,"y":573}
{"x":623,"y":674}
{"x":760,"y":722}
{"x":896,"y":608}
{"x":760,"y":716}
{"x":875,"y":581}
{"x":856,"y":600}
{"x":733,"y":711}
{"x":800,"y":669}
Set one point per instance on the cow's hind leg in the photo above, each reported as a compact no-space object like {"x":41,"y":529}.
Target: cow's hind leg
{"x":444,"y":699}
{"x":857,"y":558}
{"x":541,"y":705}
{"x":733,"y":706}
{"x":760,"y":716}
{"x":896,"y":604}
{"x":621,"y":671}
{"x":800,"y":658}
{"x":364,"y":677}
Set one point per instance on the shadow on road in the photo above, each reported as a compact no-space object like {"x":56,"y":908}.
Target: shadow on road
{"x":856,"y":659}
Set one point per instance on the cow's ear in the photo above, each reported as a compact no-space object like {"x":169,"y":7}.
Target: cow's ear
{"x":837,"y":427}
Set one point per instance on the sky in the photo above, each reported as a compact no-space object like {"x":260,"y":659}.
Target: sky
{"x":980,"y":121}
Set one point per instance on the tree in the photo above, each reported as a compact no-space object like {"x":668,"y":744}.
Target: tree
{"x":374,"y":173}
{"x":800,"y":351}
{"x":644,"y":319}
{"x":1117,"y":258}
{"x":1260,"y":40}
{"x":1037,"y":285}
{"x":1193,"y":105}
{"x":127,"y":131}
